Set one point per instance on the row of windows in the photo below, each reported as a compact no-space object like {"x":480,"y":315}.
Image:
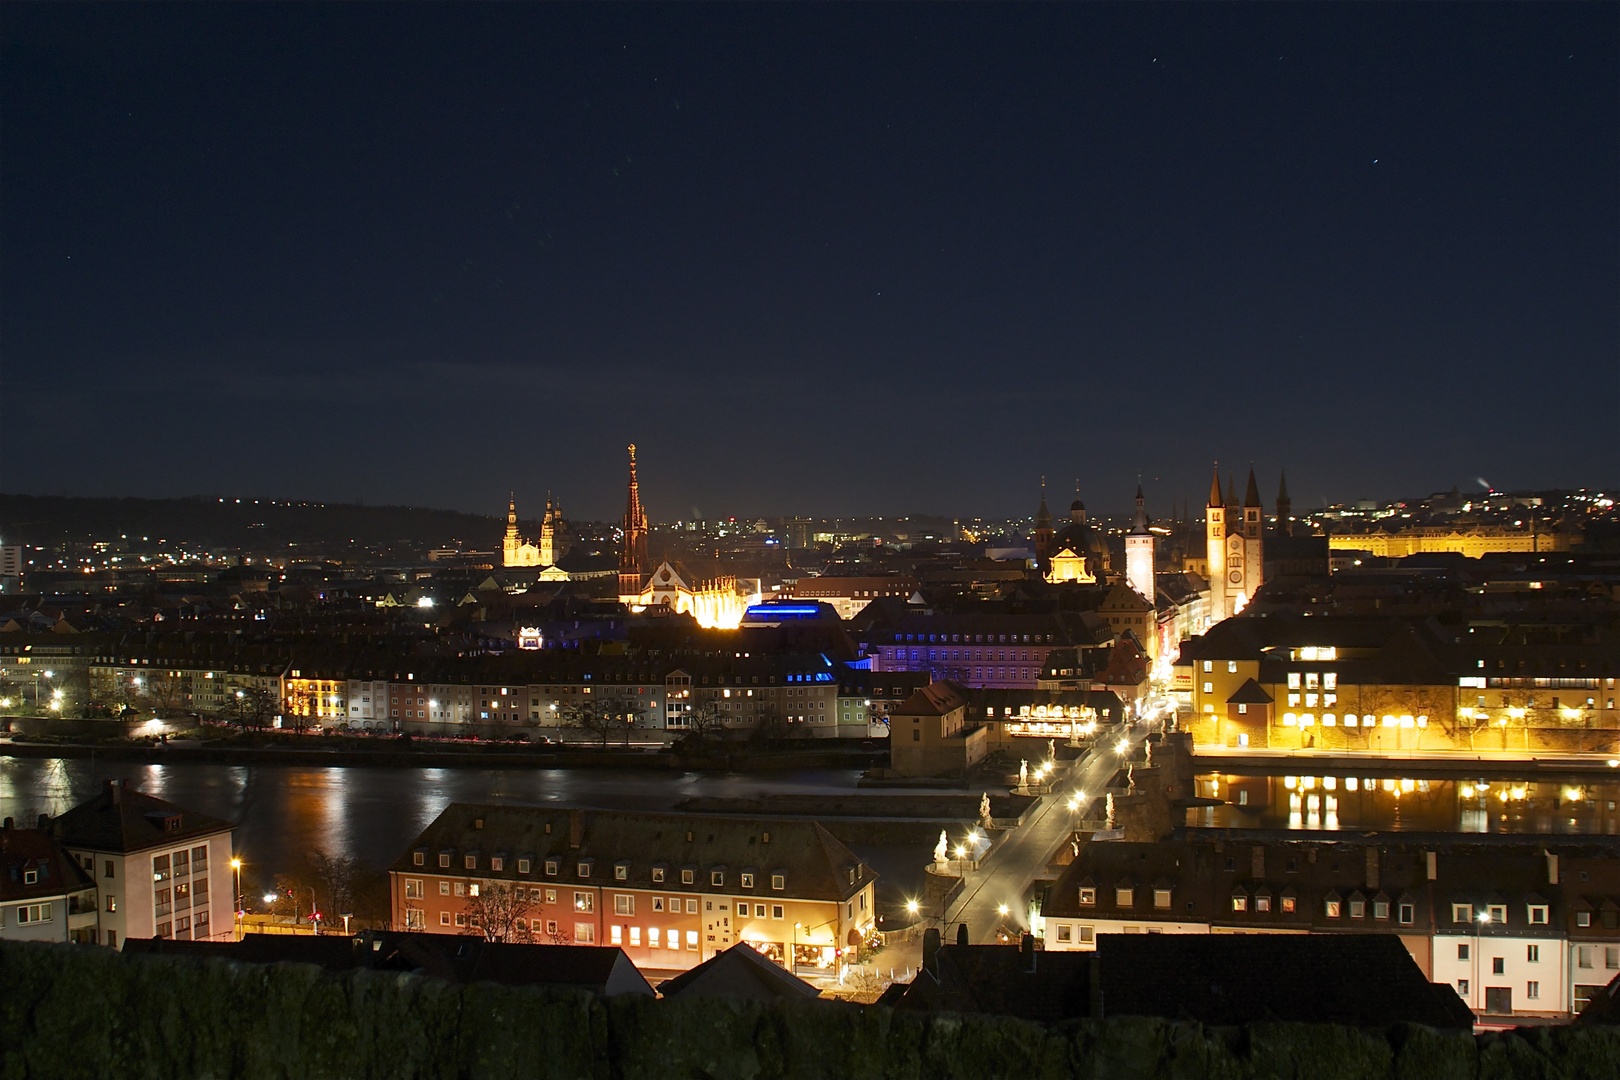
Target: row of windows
{"x":621,"y":869}
{"x":980,"y":639}
{"x":1535,"y":914}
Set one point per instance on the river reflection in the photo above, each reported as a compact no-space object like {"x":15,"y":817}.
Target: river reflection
{"x":368,"y":812}
{"x":1396,"y":804}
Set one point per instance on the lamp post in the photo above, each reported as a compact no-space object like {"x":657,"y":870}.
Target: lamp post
{"x":1473,"y":985}
{"x":236,"y":865}
{"x":793,"y":951}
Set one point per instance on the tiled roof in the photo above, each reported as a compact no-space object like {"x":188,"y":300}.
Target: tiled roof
{"x":739,"y":971}
{"x":814,"y":864}
{"x":25,"y":851}
{"x":460,"y":959}
{"x":935,"y":699}
{"x":126,"y":820}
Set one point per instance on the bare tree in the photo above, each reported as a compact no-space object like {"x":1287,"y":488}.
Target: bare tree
{"x":770,"y":725}
{"x":499,"y":912}
{"x":708,"y":723}
{"x":590,"y":717}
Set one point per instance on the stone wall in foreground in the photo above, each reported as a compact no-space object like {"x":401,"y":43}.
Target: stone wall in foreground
{"x":81,"y":1011}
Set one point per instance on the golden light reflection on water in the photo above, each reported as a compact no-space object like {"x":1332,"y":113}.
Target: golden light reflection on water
{"x":1329,"y":802}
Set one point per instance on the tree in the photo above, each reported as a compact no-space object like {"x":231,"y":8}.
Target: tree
{"x":708,"y":723}
{"x":770,"y":726}
{"x":590,"y":717}
{"x":499,"y":912}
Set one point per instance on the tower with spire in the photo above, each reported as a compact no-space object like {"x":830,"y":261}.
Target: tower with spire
{"x":1043,"y":534}
{"x":633,"y":552}
{"x":1285,"y":508}
{"x":1235,"y":543}
{"x":1139,"y":552}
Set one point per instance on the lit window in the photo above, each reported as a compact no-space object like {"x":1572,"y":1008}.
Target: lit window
{"x":1380,"y":909}
{"x":1124,"y":897}
{"x":1161,"y":899}
{"x":1332,"y":909}
{"x":1088,"y":896}
{"x":1240,"y":902}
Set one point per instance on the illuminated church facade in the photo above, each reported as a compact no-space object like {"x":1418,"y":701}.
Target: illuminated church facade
{"x":1234,"y":540}
{"x":515,"y":551}
{"x":716,"y":603}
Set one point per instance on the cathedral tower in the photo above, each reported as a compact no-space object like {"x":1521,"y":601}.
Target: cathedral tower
{"x":1285,"y":509}
{"x":511,"y":542}
{"x":548,"y":533}
{"x":633,"y":555}
{"x":1139,"y":552}
{"x":1043,"y":534}
{"x":1215,"y":547}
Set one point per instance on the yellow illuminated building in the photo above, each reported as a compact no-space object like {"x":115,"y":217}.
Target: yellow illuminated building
{"x":718,"y":603}
{"x":1474,"y":543}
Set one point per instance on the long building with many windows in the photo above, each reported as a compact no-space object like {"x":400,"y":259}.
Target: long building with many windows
{"x":671,"y":890}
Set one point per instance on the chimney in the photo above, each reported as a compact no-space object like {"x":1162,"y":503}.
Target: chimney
{"x":1431,"y":865}
{"x":576,"y":827}
{"x":115,"y":788}
{"x":961,"y":934}
{"x":1372,"y":868}
{"x":1552,"y":867}
{"x":1026,"y":949}
{"x":44,"y":822}
{"x":930,"y":959}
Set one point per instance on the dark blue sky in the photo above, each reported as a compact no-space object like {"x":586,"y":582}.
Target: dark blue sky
{"x":822,"y":259}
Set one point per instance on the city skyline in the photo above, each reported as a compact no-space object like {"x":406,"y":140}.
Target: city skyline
{"x":856,"y":255}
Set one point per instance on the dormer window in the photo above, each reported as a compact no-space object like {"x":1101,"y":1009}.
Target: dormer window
{"x":717,"y":877}
{"x":497,"y":864}
{"x":470,"y":861}
{"x":621,"y":871}
{"x":584,"y":868}
{"x":658,"y":874}
{"x":1496,"y":913}
{"x":444,"y":860}
{"x":1240,"y":901}
{"x":1124,"y":897}
{"x":688,"y":876}
{"x":1538,"y":914}
{"x":1088,"y":895}
{"x":1462,"y":913}
{"x":778,"y":882}
{"x":552,"y":866}
{"x":418,"y":858}
{"x":747,"y":880}
{"x":524,"y":866}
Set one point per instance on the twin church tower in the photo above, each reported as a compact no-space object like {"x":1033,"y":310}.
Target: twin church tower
{"x":1234,"y":547}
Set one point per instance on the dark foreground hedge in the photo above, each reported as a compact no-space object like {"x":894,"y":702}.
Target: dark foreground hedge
{"x":76,"y":1011}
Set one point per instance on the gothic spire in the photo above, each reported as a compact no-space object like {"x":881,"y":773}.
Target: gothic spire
{"x":1215,"y":488}
{"x":1251,"y":495}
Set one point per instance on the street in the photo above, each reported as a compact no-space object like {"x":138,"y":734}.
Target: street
{"x":1022,"y":857}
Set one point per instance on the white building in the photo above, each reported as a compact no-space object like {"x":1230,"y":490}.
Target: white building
{"x":160,"y":870}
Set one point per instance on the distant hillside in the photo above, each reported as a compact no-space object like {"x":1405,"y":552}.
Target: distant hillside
{"x":48,"y":520}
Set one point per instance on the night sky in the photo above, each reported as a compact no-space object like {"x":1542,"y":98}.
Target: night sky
{"x":832,"y":259}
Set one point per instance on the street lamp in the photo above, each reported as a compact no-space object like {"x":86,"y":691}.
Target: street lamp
{"x":793,"y":955}
{"x":236,"y":865}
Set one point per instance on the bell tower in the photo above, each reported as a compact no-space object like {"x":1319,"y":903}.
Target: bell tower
{"x":633,"y":553}
{"x":1215,"y":547}
{"x":1139,"y":552}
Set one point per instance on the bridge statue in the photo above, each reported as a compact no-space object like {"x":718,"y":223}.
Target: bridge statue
{"x":985,"y":820}
{"x":1109,"y":821}
{"x":939,"y":849}
{"x":1023,"y":773}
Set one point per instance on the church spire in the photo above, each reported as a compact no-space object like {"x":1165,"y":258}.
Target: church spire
{"x":633,"y":555}
{"x":1251,"y":495}
{"x":1043,"y":516}
{"x":1139,"y":524}
{"x":1285,"y":508}
{"x":1231,"y":491}
{"x":1215,"y":487}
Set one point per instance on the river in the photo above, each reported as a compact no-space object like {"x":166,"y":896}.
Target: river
{"x":1415,"y":803}
{"x":371,"y":813}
